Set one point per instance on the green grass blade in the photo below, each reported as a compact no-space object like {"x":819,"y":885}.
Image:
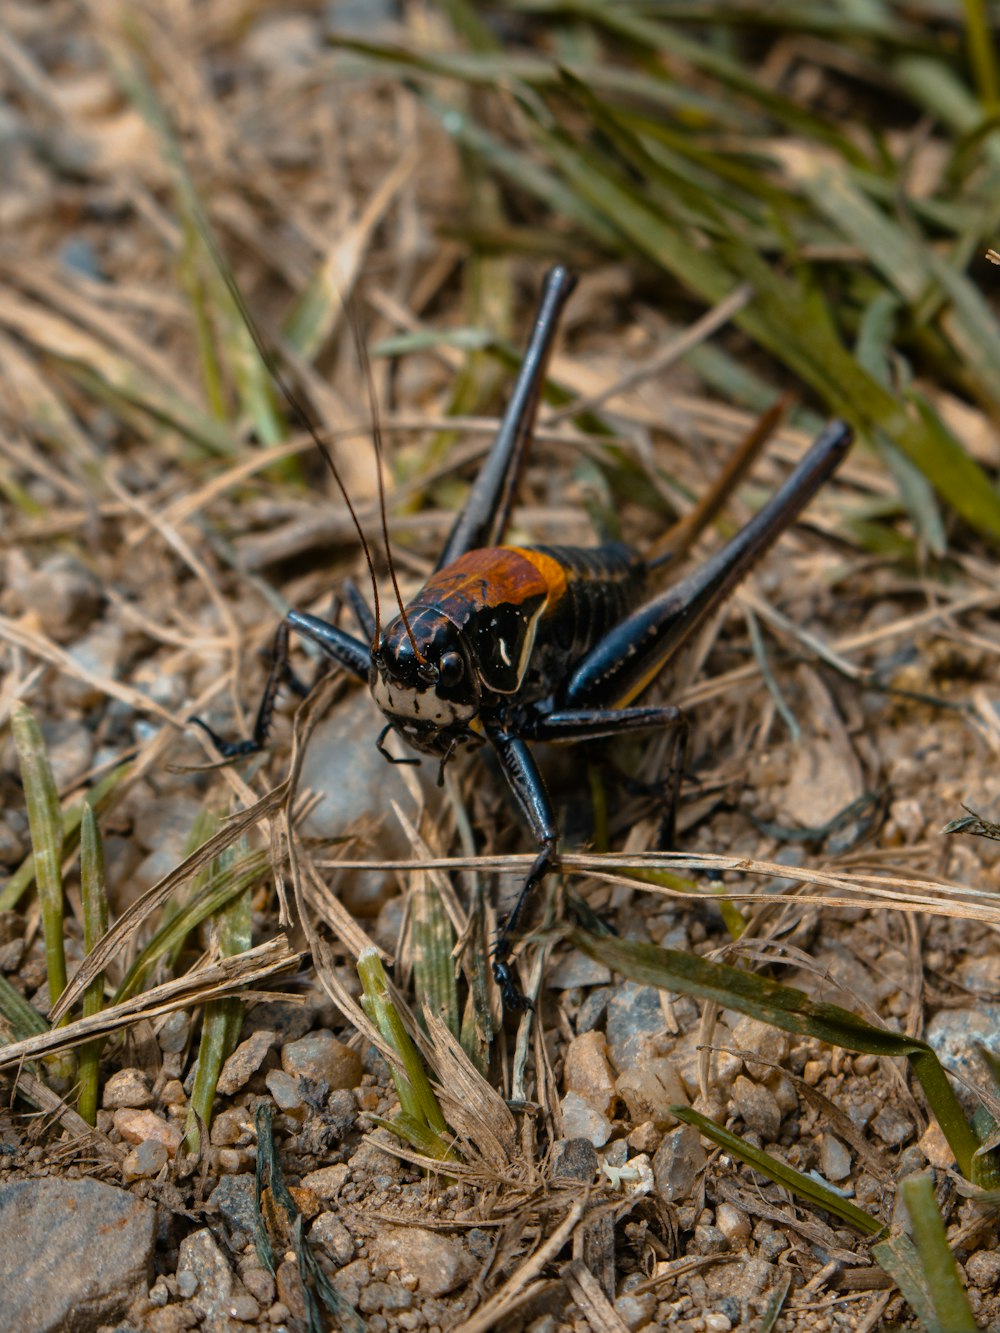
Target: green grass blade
{"x":793,"y":1011}
{"x":99,"y":798}
{"x":93,"y":892}
{"x":940,"y":1272}
{"x":820,"y":1196}
{"x":434,"y":981}
{"x":222,"y":1019}
{"x":45,"y":822}
{"x":416,"y":1096}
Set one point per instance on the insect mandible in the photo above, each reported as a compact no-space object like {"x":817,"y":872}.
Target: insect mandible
{"x":506,"y":645}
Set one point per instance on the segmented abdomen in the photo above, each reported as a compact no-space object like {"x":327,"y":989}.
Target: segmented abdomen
{"x":602,"y":584}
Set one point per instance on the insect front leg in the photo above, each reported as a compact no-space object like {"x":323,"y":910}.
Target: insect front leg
{"x":526,"y":783}
{"x":347,"y":651}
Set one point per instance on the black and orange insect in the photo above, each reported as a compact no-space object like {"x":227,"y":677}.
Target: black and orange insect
{"x":505,"y":645}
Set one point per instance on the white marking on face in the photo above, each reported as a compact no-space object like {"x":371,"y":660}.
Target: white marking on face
{"x":425,"y":705}
{"x":504,"y":654}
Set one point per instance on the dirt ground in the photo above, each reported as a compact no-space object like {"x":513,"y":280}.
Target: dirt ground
{"x":158,"y":517}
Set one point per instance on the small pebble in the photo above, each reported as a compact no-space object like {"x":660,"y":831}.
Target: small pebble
{"x":756,"y":1105}
{"x":175,"y":1033}
{"x":677,"y":1163}
{"x":983,"y":1269}
{"x":260,"y":1284}
{"x":438,"y":1262}
{"x":813,"y":1071}
{"x":285,"y":1090}
{"x":636,"y":1311}
{"x":229,"y":1161}
{"x":733,"y":1223}
{"x":586,"y":1071}
{"x":650,"y":1089}
{"x":635,"y":1018}
{"x":233,"y":1197}
{"x":834,"y":1159}
{"x":936,"y":1147}
{"x":128,"y":1087}
{"x":230,"y":1126}
{"x":187,"y":1285}
{"x":717,"y":1322}
{"x":159,"y":1292}
{"x":328,"y":1181}
{"x":320,"y":1057}
{"x":136,"y":1125}
{"x":644,"y":1138}
{"x":581,"y":1121}
{"x":892,"y":1127}
{"x":709,"y":1239}
{"x":750,"y":1034}
{"x":574,"y":1159}
{"x":205,"y":1278}
{"x":70,"y":747}
{"x":146,"y":1159}
{"x":172,"y":1093}
{"x":329,"y":1232}
{"x":245,"y":1061}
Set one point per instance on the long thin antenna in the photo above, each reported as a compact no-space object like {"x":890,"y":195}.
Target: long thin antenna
{"x":366,"y":367}
{"x":299,"y":411}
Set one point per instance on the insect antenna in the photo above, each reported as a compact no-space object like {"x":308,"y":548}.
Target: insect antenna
{"x":366,"y":367}
{"x":296,"y":405}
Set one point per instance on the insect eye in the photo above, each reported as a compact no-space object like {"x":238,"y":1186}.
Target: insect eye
{"x":451,"y":668}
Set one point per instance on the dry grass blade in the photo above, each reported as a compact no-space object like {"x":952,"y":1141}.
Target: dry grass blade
{"x":868,"y":889}
{"x":132,"y":920}
{"x":600,"y":1314}
{"x":40,"y":1095}
{"x":197,"y":987}
{"x":473,"y":1106}
{"x":522,"y":1284}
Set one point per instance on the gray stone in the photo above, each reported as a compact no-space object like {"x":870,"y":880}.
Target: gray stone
{"x":285,"y":1090}
{"x":834,"y":1159}
{"x":574,"y":1159}
{"x":956,"y":1035}
{"x":756,"y":1105}
{"x":677,"y":1162}
{"x":581,"y":1121}
{"x":73,"y":1254}
{"x":892,"y":1127}
{"x":329,"y":1232}
{"x":650,"y":1089}
{"x":635,"y":1311}
{"x":70,"y":746}
{"x":634,"y":1019}
{"x":147,"y":1158}
{"x":357,"y":787}
{"x":175,"y":1033}
{"x":575,"y":969}
{"x":205,"y":1278}
{"x":234,"y":1199}
{"x":438,"y":1263}
{"x":385,"y":1296}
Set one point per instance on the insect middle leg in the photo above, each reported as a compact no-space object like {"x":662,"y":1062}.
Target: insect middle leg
{"x":526,"y":782}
